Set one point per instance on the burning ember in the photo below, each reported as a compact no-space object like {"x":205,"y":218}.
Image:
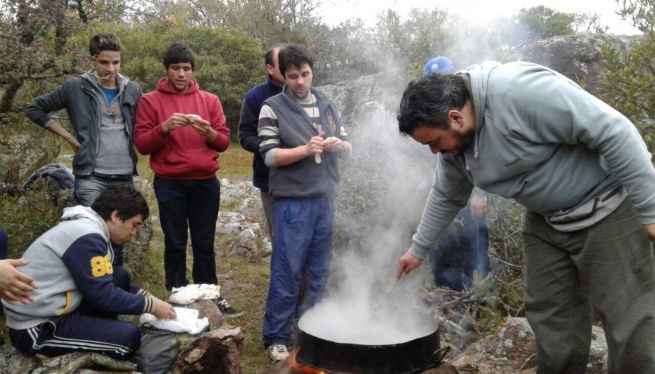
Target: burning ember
{"x":300,"y":368}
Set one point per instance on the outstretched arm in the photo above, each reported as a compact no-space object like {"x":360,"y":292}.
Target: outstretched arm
{"x":14,"y":285}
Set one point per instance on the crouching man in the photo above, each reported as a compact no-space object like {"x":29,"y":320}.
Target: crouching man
{"x":80,"y":294}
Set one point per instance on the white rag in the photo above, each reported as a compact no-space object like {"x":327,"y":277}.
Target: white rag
{"x":193,"y":292}
{"x":187,"y":321}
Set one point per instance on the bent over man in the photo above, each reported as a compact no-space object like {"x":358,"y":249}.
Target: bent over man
{"x":302,"y":138}
{"x":80,"y":293}
{"x":585,"y":176}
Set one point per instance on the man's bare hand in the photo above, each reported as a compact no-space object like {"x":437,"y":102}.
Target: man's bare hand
{"x":406,"y":264}
{"x":74,"y":143}
{"x":164,"y":310}
{"x":174,"y":122}
{"x":315,"y":145}
{"x":478,"y":205}
{"x":202,"y":127}
{"x":650,"y":232}
{"x":333,"y":144}
{"x":14,"y":285}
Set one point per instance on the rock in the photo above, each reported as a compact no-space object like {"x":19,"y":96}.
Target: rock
{"x":465,"y":364}
{"x":209,"y":309}
{"x":514,"y":348}
{"x":246,"y":245}
{"x":217,"y":351}
{"x":13,"y":361}
{"x":576,"y":56}
{"x":138,"y":247}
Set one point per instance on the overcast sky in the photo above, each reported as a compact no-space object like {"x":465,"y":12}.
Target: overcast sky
{"x":475,"y":11}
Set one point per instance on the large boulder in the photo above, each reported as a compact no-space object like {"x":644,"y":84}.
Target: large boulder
{"x":576,"y":56}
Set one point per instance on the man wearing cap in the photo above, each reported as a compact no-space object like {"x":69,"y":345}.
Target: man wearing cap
{"x":248,"y":122}
{"x":463,"y":249}
{"x":585,"y":177}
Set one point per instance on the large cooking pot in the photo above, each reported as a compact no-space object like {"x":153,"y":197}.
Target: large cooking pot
{"x":407,"y":357}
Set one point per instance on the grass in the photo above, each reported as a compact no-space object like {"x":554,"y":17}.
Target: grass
{"x":244,"y":282}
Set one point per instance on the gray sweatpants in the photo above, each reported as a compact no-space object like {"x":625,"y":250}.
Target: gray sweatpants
{"x":607,"y":267}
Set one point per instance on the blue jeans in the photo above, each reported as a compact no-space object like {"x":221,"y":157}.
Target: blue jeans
{"x":188,"y":205}
{"x":89,"y":187}
{"x":461,"y":251}
{"x":300,"y":262}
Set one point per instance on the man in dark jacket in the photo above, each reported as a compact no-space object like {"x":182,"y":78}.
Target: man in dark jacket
{"x":303,"y":183}
{"x":248,"y":136}
{"x":101,"y":105}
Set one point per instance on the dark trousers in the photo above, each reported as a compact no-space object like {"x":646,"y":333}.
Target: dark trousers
{"x":461,"y":252}
{"x":188,"y":205}
{"x":84,"y":329}
{"x":607,"y":267}
{"x":4,"y":245}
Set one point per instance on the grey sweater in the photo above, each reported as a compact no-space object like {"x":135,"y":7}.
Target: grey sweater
{"x":542,"y":141}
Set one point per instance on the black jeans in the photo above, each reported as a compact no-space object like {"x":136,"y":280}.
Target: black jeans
{"x":188,"y":205}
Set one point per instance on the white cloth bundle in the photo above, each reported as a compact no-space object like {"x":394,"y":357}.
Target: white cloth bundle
{"x":194,"y":292}
{"x":187,"y":321}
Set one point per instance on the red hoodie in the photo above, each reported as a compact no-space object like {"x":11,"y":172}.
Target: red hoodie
{"x":183,"y":153}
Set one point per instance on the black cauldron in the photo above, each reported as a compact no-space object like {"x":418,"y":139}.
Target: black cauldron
{"x":414,"y":356}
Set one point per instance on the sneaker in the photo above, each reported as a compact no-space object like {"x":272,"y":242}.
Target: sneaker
{"x":227,"y":309}
{"x":277,"y":352}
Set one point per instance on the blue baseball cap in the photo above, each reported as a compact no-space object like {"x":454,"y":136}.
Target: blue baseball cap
{"x":438,"y":65}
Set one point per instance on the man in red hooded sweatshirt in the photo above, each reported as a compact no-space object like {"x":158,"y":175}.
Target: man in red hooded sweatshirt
{"x":183,"y":129}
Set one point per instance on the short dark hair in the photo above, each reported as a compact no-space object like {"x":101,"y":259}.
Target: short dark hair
{"x":294,"y":56}
{"x":177,"y":53}
{"x":426,"y":102}
{"x":268,"y":57}
{"x":127,"y":201}
{"x":104,"y":41}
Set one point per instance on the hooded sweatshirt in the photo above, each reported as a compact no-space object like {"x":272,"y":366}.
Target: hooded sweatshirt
{"x":183,"y":153}
{"x":69,"y":263}
{"x":543,"y":141}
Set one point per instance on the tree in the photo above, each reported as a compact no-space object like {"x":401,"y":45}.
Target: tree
{"x":534,"y":23}
{"x":629,"y":76}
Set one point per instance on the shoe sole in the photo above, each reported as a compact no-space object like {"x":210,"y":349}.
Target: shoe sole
{"x":236,"y":315}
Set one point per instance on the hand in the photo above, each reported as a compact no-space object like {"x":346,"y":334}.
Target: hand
{"x":164,"y":310}
{"x":315,"y":145}
{"x":650,"y":231}
{"x":174,"y":122}
{"x":74,"y":143}
{"x":332,"y":144}
{"x":478,"y":205}
{"x":202,"y":127}
{"x":406,"y":264}
{"x":14,"y":285}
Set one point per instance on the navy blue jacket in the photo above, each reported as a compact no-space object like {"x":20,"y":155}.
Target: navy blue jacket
{"x":248,"y":136}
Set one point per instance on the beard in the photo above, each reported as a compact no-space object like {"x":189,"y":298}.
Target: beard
{"x":464,"y":140}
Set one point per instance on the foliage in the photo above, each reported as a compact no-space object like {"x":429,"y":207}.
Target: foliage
{"x":629,"y":76}
{"x":228,"y":61}
{"x":541,"y":22}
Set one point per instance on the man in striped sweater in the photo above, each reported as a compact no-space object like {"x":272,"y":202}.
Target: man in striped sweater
{"x":80,"y":293}
{"x":302,"y":138}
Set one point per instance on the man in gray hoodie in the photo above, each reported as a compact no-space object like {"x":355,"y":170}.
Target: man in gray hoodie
{"x":527,"y":133}
{"x":101,"y":106}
